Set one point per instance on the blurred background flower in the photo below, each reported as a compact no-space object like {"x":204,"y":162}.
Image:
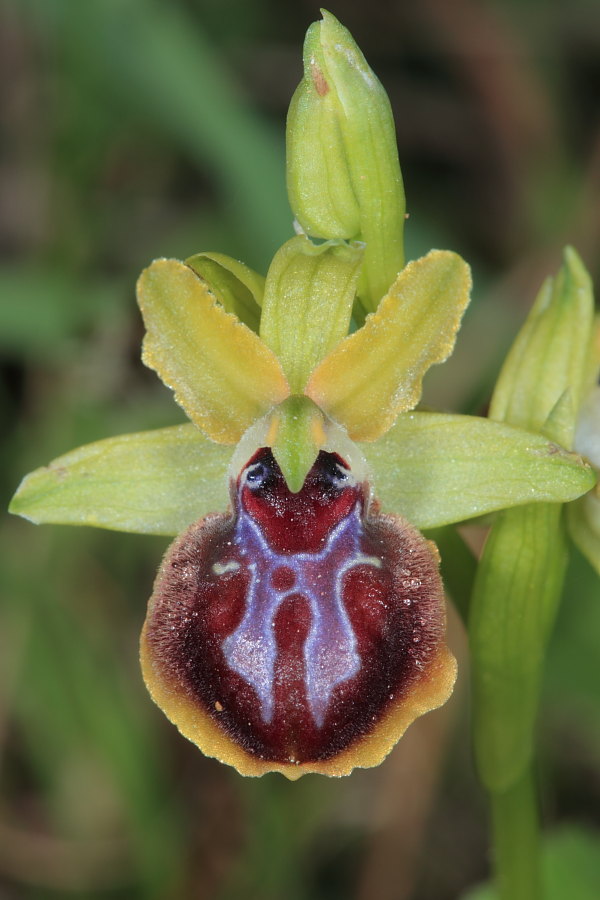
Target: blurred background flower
{"x":141,"y":128}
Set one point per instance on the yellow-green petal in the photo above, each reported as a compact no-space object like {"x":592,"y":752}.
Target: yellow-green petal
{"x":544,"y":376}
{"x":237,"y":287}
{"x":307,"y":304}
{"x":377,"y":372}
{"x":152,"y":482}
{"x":222,"y":374}
{"x":435,"y":468}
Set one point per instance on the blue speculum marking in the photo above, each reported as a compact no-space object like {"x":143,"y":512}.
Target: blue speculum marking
{"x":330,"y":654}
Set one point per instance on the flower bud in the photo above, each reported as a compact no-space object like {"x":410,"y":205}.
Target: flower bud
{"x":343,"y":173}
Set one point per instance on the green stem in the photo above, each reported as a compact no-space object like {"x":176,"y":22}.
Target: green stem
{"x":516,"y":840}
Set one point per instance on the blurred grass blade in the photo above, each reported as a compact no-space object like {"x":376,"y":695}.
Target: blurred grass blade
{"x":436,"y":469}
{"x":377,"y":372}
{"x":570,"y":867}
{"x":153,"y":482}
{"x":166,"y":70}
{"x":63,"y":306}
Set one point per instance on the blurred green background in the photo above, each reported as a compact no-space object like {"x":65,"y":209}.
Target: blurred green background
{"x":133,"y":129}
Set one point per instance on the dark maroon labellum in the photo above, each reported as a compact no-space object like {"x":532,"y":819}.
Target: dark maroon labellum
{"x":299,"y":622}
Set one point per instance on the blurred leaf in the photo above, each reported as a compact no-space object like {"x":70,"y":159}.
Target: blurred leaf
{"x":164,"y":69}
{"x":570,"y":867}
{"x":572,"y":676}
{"x":45,"y":309}
{"x":81,"y":727}
{"x":583,"y":518}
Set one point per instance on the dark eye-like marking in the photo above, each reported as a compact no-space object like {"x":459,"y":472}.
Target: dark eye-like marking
{"x":256,"y":474}
{"x":335,"y":473}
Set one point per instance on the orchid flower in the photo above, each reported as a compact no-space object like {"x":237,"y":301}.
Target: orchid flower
{"x":297,"y":622}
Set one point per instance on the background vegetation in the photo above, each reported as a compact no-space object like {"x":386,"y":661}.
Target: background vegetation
{"x":138,"y":128}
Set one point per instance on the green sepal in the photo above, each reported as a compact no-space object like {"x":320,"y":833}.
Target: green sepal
{"x":436,"y":469}
{"x":151,"y":482}
{"x":517,"y":590}
{"x":237,"y":287}
{"x":343,"y":173}
{"x":546,"y":371}
{"x":298,"y":437}
{"x":307,"y":304}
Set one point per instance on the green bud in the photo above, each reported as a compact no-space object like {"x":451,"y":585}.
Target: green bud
{"x":546,"y":372}
{"x":343,"y":173}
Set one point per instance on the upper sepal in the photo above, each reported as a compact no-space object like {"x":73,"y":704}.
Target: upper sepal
{"x":307,"y":305}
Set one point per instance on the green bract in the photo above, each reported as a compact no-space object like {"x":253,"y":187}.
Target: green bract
{"x":520,"y":576}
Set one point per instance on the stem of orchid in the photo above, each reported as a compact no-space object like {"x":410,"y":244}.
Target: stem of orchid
{"x":516,"y":840}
